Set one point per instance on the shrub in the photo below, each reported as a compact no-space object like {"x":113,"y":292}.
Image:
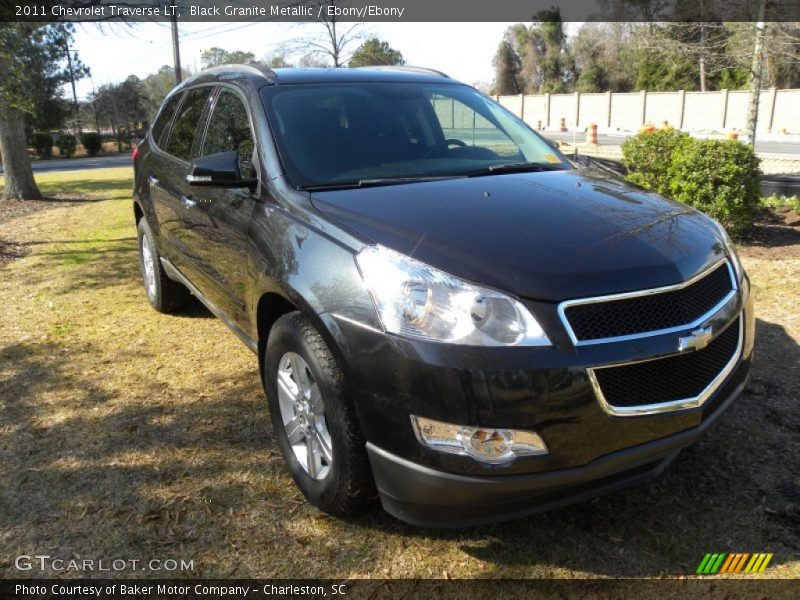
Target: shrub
{"x":66,"y":144}
{"x":92,"y":142}
{"x":719,"y":177}
{"x":780,"y":202}
{"x":648,"y":156}
{"x":42,"y":144}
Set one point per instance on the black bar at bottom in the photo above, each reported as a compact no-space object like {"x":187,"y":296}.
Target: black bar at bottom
{"x":475,"y":589}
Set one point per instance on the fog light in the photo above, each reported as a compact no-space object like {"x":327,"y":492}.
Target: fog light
{"x":486,"y":444}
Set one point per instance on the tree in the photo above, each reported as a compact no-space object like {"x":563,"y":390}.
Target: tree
{"x":312,"y":61}
{"x":213,"y":57}
{"x":155,"y":88}
{"x":506,"y":69}
{"x":601,"y":53}
{"x":32,"y":70}
{"x":277,"y":61}
{"x":375,"y":52}
{"x":332,"y":42}
{"x":546,"y":64}
{"x":121,"y":106}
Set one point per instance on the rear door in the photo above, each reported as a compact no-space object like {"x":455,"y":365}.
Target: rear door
{"x":216,"y":225}
{"x":167,"y":212}
{"x":168,"y":188}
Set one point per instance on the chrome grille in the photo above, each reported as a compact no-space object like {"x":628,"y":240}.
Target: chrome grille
{"x":679,"y":381}
{"x":649,"y":312}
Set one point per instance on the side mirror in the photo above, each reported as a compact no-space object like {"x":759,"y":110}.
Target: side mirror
{"x":218,"y":170}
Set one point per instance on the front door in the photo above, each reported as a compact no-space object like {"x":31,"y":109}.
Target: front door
{"x":215,"y":226}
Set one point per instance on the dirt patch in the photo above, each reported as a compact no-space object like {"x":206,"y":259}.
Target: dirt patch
{"x":10,"y":251}
{"x":775,"y":234}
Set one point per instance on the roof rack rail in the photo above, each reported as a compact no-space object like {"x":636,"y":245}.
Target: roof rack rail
{"x":255,"y":68}
{"x":408,"y":68}
{"x":259,"y":67}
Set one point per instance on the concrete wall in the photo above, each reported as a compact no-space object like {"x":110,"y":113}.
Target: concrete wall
{"x":692,"y":111}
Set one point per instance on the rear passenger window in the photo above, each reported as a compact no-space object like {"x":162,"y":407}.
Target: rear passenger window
{"x":189,"y":115}
{"x":164,"y":118}
{"x":229,"y":131}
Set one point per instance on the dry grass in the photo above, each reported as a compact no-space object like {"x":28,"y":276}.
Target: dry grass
{"x":129,"y":434}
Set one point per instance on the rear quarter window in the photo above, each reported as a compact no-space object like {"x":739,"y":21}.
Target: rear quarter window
{"x":164,"y":118}
{"x":190,"y":113}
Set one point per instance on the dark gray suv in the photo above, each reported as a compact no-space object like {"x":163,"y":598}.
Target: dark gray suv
{"x":445,"y":311}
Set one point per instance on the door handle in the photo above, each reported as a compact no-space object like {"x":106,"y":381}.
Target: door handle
{"x":152,"y":180}
{"x":188,"y":202}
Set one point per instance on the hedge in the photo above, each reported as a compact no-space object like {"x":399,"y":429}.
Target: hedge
{"x":67,"y":144}
{"x":721,"y":178}
{"x":92,"y":142}
{"x":42,"y":144}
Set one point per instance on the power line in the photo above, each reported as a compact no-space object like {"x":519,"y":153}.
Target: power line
{"x":206,"y":34}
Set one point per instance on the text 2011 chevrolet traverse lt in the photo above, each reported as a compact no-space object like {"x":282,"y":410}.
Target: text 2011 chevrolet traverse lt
{"x":443,"y":308}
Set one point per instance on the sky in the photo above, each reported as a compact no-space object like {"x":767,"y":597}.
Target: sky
{"x":462,"y":50}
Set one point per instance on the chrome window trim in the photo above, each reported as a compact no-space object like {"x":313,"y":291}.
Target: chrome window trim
{"x":563,"y":306}
{"x":672,"y":405}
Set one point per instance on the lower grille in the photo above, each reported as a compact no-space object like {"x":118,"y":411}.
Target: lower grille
{"x":668,"y":380}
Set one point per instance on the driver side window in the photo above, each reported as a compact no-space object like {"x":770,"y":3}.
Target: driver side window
{"x":462,"y":126}
{"x":229,"y":130}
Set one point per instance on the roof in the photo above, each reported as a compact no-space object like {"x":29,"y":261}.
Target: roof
{"x":259,"y":75}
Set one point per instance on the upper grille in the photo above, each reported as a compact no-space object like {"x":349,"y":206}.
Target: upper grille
{"x":678,"y":377}
{"x":646,"y":312}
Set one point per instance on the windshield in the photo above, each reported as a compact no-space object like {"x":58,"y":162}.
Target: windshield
{"x":333,"y":134}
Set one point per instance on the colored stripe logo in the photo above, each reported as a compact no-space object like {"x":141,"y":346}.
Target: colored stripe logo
{"x":740,"y":562}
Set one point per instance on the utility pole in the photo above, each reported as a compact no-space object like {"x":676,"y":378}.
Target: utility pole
{"x":74,"y":93}
{"x":756,"y":71}
{"x":703,"y":45}
{"x":176,"y":51}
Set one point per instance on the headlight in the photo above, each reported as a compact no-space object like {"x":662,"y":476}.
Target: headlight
{"x":419,"y":301}
{"x":731,"y":250}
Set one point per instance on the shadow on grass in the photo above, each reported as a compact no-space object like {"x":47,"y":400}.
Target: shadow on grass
{"x":111,"y":188}
{"x":93,"y":241}
{"x":107,"y":464}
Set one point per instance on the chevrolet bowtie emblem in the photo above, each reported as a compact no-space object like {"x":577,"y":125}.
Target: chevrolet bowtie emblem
{"x":697,"y":340}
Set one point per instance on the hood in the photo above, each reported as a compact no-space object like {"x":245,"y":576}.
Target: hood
{"x":547,"y":236}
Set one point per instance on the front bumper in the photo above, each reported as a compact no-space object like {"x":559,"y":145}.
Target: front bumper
{"x":424,"y":496}
{"x":546,"y":390}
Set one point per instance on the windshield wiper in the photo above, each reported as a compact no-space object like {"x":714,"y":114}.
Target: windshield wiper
{"x":362,"y":183}
{"x":526,"y":167}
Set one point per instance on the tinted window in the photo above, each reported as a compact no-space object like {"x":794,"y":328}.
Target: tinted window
{"x":164,"y":118}
{"x":189,"y":115}
{"x":463,"y":125}
{"x":229,"y":130}
{"x":345,"y":133}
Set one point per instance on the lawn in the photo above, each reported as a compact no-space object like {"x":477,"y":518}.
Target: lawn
{"x":129,"y":434}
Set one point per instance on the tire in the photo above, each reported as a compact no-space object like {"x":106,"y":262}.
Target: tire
{"x":164,"y":294}
{"x":338,"y":484}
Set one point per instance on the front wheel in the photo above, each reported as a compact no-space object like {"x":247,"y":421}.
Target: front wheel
{"x":313,"y":418}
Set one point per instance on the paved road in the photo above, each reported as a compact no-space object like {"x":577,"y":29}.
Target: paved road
{"x":615,"y":139}
{"x":75,"y":164}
